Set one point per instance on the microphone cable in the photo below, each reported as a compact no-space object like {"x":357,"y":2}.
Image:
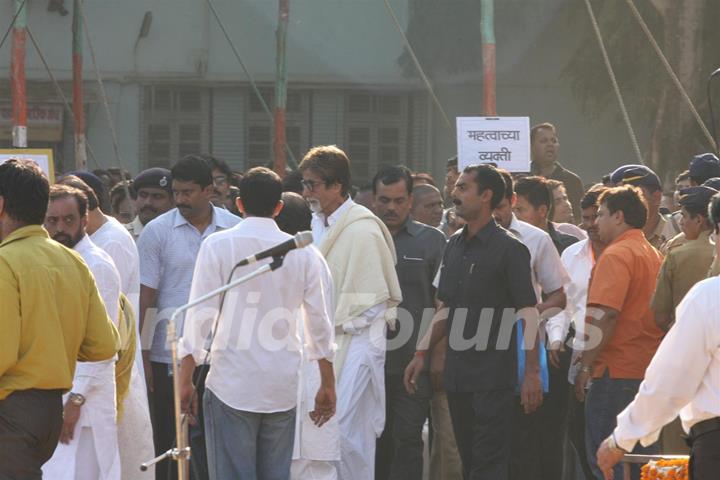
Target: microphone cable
{"x":276,"y":263}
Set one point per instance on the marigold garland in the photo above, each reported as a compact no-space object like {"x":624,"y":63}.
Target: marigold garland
{"x":675,"y":469}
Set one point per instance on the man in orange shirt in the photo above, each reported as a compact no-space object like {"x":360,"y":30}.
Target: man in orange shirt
{"x":622,"y":333}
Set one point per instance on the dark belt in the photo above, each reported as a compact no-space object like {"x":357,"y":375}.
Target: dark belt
{"x":706,"y":426}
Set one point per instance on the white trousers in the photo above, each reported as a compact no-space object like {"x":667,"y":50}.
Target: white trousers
{"x":302,"y":469}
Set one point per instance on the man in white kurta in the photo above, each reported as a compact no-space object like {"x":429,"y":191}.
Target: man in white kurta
{"x":360,"y":252}
{"x":88,"y":449}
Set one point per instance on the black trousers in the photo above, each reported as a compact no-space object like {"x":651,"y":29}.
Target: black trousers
{"x":538,"y":439}
{"x":482,"y":422}
{"x":705,"y":456}
{"x":164,"y":425}
{"x":399,"y":453}
{"x":30,"y":425}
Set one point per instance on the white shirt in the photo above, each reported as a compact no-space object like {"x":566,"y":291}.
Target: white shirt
{"x":90,"y":375}
{"x":319,"y":226}
{"x":579,"y":261}
{"x":256,"y":353}
{"x":684,"y":374}
{"x":114,"y":238}
{"x":168,"y":247}
{"x":548,"y":273}
{"x":570,"y":229}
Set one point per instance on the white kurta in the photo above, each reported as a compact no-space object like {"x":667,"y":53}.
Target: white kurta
{"x":96,"y":382}
{"x":135,"y":429}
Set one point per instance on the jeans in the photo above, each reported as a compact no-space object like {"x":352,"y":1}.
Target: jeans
{"x":400,"y":447}
{"x":30,"y":425}
{"x":482,"y":422}
{"x":606,"y":398}
{"x":247,"y":445}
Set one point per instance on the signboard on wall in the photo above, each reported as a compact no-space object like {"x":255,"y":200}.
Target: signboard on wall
{"x":503,"y":141}
{"x":45,"y":122}
{"x":43,"y":157}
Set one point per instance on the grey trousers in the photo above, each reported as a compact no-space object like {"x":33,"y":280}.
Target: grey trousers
{"x":246,"y":445}
{"x":30,"y":425}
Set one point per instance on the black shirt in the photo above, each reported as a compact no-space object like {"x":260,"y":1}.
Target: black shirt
{"x":488,"y":271}
{"x":560,"y":240}
{"x":419,"y":251}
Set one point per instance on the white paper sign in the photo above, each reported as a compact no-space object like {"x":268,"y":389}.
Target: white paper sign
{"x":504,"y":141}
{"x":43,"y":157}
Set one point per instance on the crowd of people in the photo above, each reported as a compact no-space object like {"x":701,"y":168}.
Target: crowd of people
{"x":510,"y":326}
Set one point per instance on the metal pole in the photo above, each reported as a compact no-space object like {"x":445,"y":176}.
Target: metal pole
{"x":17,"y":78}
{"x":488,"y":54}
{"x":281,"y":88}
{"x":78,"y":107}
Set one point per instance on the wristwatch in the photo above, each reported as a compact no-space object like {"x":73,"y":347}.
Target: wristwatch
{"x":77,"y":399}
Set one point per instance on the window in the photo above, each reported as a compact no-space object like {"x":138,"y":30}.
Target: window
{"x":260,"y":134}
{"x":375,"y":132}
{"x":176,"y":123}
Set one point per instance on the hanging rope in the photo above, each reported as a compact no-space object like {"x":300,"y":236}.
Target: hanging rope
{"x":103,"y":95}
{"x":616,"y":87}
{"x":12,"y":24}
{"x":59,"y":90}
{"x":671,"y":72}
{"x":249,"y":76}
{"x":420,"y":70}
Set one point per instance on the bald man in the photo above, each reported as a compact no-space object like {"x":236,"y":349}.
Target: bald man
{"x":427,"y":205}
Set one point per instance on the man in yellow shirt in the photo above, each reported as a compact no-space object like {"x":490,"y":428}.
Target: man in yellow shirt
{"x":52,"y":316}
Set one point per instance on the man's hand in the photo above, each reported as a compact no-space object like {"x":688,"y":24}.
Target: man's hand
{"x":149,"y":379}
{"x":437,"y":365}
{"x":412,"y":372}
{"x":607,"y":458}
{"x":554,"y":352}
{"x":189,"y":402}
{"x":71,"y":415}
{"x":531,"y":392}
{"x":581,"y":380}
{"x":325,"y":402}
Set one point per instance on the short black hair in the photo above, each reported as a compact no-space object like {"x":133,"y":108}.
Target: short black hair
{"x":390,"y":175}
{"x":59,"y":191}
{"x":295,"y":215}
{"x":192,"y":168}
{"x":590,"y":199}
{"x":292,"y":182}
{"x":630,"y":201}
{"x":509,"y":183}
{"x":535,"y":190}
{"x":76,"y":182}
{"x":260,"y":191}
{"x":218,"y":163}
{"x":488,"y":177}
{"x":25,"y":191}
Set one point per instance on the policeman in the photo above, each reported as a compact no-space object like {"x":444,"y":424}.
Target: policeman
{"x":703,"y":167}
{"x":154,"y":197}
{"x":684,"y":378}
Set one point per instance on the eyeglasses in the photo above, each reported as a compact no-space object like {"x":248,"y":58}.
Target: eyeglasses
{"x":310,"y":184}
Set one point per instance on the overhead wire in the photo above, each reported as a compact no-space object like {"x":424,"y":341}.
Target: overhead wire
{"x":671,"y":72}
{"x":249,"y":76}
{"x":613,"y":80}
{"x":418,"y":66}
{"x":59,"y":89}
{"x":12,"y":23}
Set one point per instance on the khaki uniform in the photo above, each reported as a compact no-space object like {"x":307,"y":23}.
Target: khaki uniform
{"x":135,"y":228}
{"x":665,"y":233}
{"x":683,"y":267}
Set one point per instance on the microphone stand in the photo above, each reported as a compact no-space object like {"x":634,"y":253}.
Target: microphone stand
{"x":181,"y":453}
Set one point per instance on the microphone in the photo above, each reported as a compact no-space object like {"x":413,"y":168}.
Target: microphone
{"x":300,"y":240}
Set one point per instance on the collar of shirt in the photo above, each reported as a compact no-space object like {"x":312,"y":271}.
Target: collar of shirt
{"x":632,"y":234}
{"x":218,"y":220}
{"x":484,"y":234}
{"x":659,"y":228}
{"x":258,"y":225}
{"x":411,"y":227}
{"x":24,"y":232}
{"x":333,"y":217}
{"x":520,"y":229}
